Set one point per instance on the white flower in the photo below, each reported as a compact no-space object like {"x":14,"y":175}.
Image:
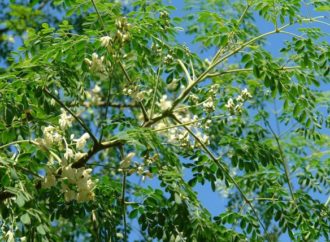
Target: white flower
{"x":246,"y":94}
{"x":50,"y":181}
{"x":105,"y":41}
{"x":96,"y":64}
{"x":80,"y":143}
{"x":69,"y":173}
{"x":240,"y":98}
{"x":87,"y":172}
{"x":127,"y":160}
{"x":96,"y":89}
{"x":68,"y":154}
{"x":79,"y":155}
{"x":69,"y":195}
{"x":48,"y":135}
{"x":203,"y":138}
{"x":53,"y":102}
{"x":10,"y":236}
{"x":230,"y":104}
{"x":65,"y":120}
{"x":209,"y":105}
{"x":164,"y":103}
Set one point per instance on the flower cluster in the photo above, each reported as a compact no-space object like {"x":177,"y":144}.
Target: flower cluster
{"x":94,"y":95}
{"x":235,"y":106}
{"x":139,"y":168}
{"x":122,"y":33}
{"x":51,"y":136}
{"x":77,"y":184}
{"x":164,"y":103}
{"x":106,"y":41}
{"x":65,"y":120}
{"x":209,"y":105}
{"x":96,"y":65}
{"x":178,"y":135}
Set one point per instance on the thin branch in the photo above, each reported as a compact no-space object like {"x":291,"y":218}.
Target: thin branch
{"x":123,"y":194}
{"x":96,"y":148}
{"x":185,"y":71}
{"x":293,"y":34}
{"x":243,"y":14}
{"x":144,"y":112}
{"x":223,"y":168}
{"x":98,"y":14}
{"x":110,"y":104}
{"x":42,"y":4}
{"x":82,"y":124}
{"x":216,"y":61}
{"x":18,"y":142}
{"x":285,"y":68}
{"x":187,"y":123}
{"x":154,"y":95}
{"x":327,"y":202}
{"x":107,"y":106}
{"x":285,"y":164}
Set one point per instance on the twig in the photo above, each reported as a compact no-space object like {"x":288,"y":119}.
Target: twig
{"x":224,"y":170}
{"x":243,"y":14}
{"x":123,"y":194}
{"x":285,"y":164}
{"x":18,"y":142}
{"x":144,"y":112}
{"x":154,"y":95}
{"x":285,"y":68}
{"x":185,"y":71}
{"x":83,"y":125}
{"x":107,"y":106}
{"x":96,"y":148}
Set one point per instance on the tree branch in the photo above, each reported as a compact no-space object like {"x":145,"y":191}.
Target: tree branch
{"x":223,"y":168}
{"x":285,"y":68}
{"x":96,"y":148}
{"x":82,"y":124}
{"x":285,"y":163}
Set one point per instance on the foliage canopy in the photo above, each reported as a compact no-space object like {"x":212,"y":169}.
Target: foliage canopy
{"x":99,"y":97}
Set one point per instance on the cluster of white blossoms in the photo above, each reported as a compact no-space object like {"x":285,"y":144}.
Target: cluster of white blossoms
{"x":97,"y":65}
{"x":164,"y":103}
{"x":122,"y":33}
{"x":209,"y":105}
{"x":76,"y":183}
{"x":235,"y":106}
{"x":139,"y":168}
{"x":106,"y":41}
{"x":94,"y":95}
{"x":65,"y":120}
{"x":178,"y":135}
{"x":51,"y":136}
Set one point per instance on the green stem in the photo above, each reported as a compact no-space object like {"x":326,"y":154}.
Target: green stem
{"x":286,"y":68}
{"x":223,"y":168}
{"x":154,"y":95}
{"x":18,"y":142}
{"x":82,"y":124}
{"x":285,"y":163}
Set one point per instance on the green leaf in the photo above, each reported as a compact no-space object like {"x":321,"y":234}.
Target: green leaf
{"x":325,"y":8}
{"x":20,"y":200}
{"x":41,"y":229}
{"x":25,"y":218}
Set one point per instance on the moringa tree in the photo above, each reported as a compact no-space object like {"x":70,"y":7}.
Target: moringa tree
{"x":109,"y":123}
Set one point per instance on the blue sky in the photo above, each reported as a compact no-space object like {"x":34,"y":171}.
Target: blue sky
{"x":213,"y":201}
